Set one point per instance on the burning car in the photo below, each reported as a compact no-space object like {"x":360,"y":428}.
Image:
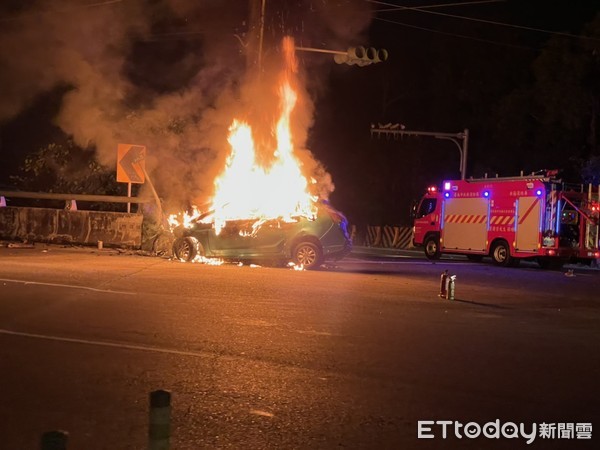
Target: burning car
{"x":264,"y":204}
{"x":306,"y":242}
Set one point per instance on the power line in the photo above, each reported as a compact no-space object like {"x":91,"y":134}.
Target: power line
{"x":441,"y":5}
{"x":489,"y":22}
{"x":462,"y":36}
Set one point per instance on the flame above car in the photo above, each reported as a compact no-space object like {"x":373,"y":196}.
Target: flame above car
{"x":249,"y":189}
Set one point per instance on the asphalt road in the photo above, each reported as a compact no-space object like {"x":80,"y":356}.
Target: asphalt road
{"x":352,"y":356}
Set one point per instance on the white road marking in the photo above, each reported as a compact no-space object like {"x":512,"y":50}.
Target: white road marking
{"x":110,"y":344}
{"x":261,"y":413}
{"x":72,"y":286}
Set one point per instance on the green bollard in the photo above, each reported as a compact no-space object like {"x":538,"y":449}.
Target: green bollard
{"x":55,"y":440}
{"x":159,"y":430}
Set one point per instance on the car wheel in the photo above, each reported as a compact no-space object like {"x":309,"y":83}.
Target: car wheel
{"x":432,"y":248}
{"x":501,"y":254}
{"x":308,"y":254}
{"x":186,"y":248}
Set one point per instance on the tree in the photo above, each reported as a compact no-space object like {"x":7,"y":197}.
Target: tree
{"x":66,"y":168}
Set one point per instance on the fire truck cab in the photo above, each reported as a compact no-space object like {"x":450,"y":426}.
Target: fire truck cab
{"x":510,"y":219}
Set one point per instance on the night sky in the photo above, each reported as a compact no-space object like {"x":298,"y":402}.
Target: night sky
{"x":522,"y":76}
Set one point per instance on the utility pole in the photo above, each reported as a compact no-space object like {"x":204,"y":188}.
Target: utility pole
{"x":256,"y":31}
{"x":460,"y":139}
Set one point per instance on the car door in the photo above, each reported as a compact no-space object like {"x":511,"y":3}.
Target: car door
{"x":249,"y":238}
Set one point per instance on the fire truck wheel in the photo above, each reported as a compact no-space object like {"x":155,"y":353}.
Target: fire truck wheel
{"x":501,"y":254}
{"x":186,"y":248}
{"x":308,"y":254}
{"x":432,"y":248}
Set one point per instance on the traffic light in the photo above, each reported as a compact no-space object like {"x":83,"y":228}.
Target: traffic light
{"x":361,"y":56}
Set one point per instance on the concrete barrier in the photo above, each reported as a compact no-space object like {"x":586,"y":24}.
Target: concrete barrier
{"x":72,"y":227}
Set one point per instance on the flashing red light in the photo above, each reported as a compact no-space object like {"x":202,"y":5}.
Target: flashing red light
{"x":596,"y":254}
{"x":551,"y":252}
{"x":432,"y":189}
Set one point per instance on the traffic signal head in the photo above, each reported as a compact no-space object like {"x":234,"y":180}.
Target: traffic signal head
{"x":361,"y":56}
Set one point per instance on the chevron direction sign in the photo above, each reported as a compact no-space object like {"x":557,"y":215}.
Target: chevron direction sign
{"x":131,"y":163}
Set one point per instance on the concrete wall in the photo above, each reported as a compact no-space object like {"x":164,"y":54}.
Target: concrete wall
{"x":74,"y":227}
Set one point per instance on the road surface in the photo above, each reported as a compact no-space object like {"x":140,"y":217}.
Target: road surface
{"x":353,"y":356}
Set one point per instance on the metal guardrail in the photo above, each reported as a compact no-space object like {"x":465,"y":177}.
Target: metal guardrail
{"x":76,"y":197}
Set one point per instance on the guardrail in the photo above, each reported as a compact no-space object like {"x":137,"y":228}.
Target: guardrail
{"x":72,"y":197}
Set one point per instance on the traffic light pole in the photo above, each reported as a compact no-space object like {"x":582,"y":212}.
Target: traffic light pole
{"x":460,"y":139}
{"x":320,"y":50}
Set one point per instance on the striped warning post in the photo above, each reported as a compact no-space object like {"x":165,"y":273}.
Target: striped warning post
{"x":403,"y":237}
{"x":373,"y":236}
{"x":389,"y":236}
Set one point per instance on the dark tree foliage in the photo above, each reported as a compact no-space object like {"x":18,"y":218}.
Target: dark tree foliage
{"x":66,"y":168}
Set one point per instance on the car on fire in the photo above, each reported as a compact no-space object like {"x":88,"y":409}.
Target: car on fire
{"x":305,"y":242}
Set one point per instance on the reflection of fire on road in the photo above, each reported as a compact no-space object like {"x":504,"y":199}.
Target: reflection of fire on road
{"x":248,"y":190}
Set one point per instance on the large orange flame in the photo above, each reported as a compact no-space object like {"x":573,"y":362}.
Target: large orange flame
{"x":247,"y":190}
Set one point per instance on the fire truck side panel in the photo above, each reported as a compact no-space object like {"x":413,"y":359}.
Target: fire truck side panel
{"x":465,"y":224}
{"x":528,"y":226}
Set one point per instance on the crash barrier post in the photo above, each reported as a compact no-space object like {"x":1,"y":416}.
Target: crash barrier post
{"x":54,"y":440}
{"x":159,"y":429}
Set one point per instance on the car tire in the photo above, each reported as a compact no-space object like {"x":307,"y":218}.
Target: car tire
{"x":308,"y":254}
{"x":501,"y":254}
{"x":187,"y":248}
{"x":432,"y":248}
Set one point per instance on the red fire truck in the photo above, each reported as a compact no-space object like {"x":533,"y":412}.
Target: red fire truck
{"x":533,"y":217}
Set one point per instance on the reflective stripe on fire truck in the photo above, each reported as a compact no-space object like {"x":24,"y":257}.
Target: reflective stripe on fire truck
{"x":465,"y":218}
{"x":528,"y":211}
{"x":502,"y":220}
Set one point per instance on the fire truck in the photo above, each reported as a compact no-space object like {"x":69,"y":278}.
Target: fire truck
{"x":536,"y":217}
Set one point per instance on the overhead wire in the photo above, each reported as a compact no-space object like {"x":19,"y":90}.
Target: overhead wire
{"x":472,"y":38}
{"x":473,"y":19}
{"x":442,"y":5}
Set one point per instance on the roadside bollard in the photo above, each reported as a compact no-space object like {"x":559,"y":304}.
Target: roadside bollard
{"x":444,"y":284}
{"x":451,"y":287}
{"x":54,"y":440}
{"x":100,"y":245}
{"x":159,"y":429}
